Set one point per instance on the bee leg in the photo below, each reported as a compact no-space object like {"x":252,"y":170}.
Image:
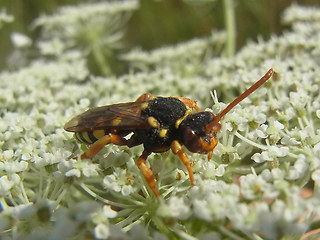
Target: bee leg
{"x":177,"y":149}
{"x":189,"y":103}
{"x":99,"y":144}
{"x":147,"y":173}
{"x":210,"y":155}
{"x":145,"y":97}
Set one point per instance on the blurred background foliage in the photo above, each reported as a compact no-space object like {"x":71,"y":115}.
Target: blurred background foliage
{"x":159,"y":23}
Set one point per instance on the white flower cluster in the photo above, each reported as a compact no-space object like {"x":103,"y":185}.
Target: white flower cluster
{"x":175,"y":57}
{"x":5,"y":17}
{"x":93,"y":29}
{"x":262,"y":183}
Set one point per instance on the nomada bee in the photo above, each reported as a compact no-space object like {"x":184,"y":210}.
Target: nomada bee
{"x":159,"y":123}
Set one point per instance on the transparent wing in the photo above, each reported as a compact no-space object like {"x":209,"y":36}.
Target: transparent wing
{"x":122,"y":116}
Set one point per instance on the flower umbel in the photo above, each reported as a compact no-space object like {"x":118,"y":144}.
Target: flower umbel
{"x":261,"y":183}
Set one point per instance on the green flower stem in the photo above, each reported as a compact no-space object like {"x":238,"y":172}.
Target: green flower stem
{"x":101,"y":61}
{"x":230,"y":27}
{"x":229,"y":233}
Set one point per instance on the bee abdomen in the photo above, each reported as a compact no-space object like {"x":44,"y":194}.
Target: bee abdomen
{"x":89,"y":137}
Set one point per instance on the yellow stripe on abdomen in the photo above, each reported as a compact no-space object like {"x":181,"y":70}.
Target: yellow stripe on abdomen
{"x":98,"y":134}
{"x":89,"y":137}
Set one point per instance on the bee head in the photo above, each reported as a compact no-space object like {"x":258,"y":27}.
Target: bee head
{"x":195,"y":135}
{"x":199,"y":130}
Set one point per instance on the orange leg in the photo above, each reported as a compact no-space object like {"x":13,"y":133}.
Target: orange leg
{"x":189,"y":103}
{"x":98,"y":145}
{"x":147,"y":173}
{"x":210,"y":155}
{"x":177,"y":149}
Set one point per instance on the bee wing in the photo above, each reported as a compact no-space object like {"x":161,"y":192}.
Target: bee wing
{"x":122,"y":116}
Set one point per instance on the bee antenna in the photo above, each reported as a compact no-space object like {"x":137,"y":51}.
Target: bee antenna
{"x":245,"y":94}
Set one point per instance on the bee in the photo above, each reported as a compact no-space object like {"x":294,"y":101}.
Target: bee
{"x":158,"y":123}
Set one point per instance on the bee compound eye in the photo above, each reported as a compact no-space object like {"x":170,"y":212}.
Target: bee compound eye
{"x":191,"y":140}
